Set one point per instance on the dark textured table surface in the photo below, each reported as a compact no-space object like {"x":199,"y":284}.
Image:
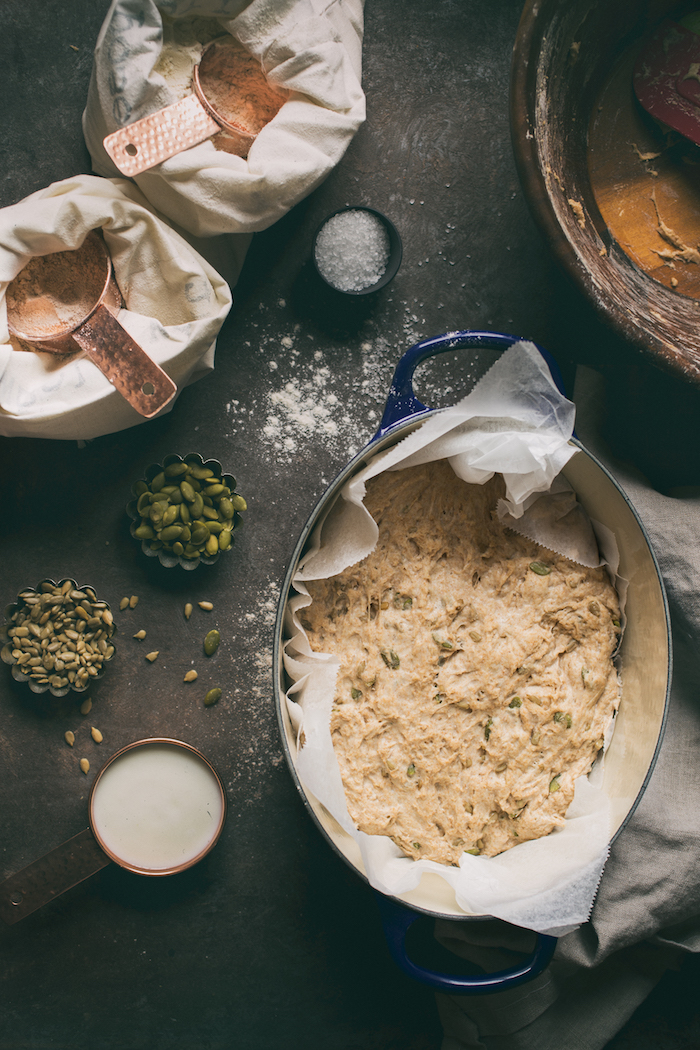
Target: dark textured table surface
{"x":271,"y":941}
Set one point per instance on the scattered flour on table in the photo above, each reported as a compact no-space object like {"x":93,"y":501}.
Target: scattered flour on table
{"x":308,"y":405}
{"x":311,"y":403}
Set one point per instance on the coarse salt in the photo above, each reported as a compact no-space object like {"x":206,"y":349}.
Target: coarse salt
{"x":352,"y":250}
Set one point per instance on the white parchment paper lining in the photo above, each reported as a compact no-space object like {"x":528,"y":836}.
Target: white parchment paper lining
{"x":515,"y":422}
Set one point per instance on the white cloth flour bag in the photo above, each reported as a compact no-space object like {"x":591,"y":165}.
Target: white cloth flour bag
{"x":175,"y":306}
{"x":311,"y":49}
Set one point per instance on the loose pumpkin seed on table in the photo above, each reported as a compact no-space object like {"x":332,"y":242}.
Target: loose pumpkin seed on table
{"x":211,"y":642}
{"x":212,"y":697}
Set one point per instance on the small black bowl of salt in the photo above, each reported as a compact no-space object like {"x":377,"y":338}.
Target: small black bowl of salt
{"x":357,"y":250}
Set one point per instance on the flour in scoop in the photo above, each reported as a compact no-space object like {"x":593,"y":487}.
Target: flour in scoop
{"x":352,"y":250}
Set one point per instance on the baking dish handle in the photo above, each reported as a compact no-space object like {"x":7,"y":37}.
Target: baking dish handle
{"x":402,"y":401}
{"x":397,"y":920}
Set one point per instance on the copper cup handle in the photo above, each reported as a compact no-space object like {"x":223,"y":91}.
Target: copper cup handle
{"x":64,"y":867}
{"x":160,"y":135}
{"x":128,"y":367}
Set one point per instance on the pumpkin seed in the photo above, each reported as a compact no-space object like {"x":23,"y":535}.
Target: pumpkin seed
{"x":200,"y":473}
{"x":170,"y":534}
{"x":212,"y":697}
{"x":540,"y":568}
{"x":174,"y":470}
{"x":211,"y":642}
{"x":390,"y":658}
{"x":171,"y":515}
{"x":187,"y":491}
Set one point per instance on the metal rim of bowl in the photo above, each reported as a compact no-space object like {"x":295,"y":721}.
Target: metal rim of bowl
{"x":393,"y":262}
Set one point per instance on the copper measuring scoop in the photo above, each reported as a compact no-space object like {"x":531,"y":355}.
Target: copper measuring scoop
{"x":156,"y":807}
{"x":230,"y":94}
{"x":67,"y":301}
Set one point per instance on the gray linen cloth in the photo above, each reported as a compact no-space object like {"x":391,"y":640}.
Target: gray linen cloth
{"x":647,"y":911}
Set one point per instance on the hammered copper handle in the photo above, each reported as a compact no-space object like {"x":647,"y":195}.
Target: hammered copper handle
{"x":197,"y":117}
{"x":128,"y":367}
{"x":64,"y":867}
{"x":160,"y":135}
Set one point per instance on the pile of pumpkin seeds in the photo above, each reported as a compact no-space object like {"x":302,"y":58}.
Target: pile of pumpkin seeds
{"x":188,"y":510}
{"x":59,"y":635}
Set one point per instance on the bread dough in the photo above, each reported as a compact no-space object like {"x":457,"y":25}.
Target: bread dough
{"x":476,"y":678}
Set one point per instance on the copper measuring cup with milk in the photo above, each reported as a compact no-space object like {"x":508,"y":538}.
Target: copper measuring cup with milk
{"x":156,"y":807}
{"x":67,"y":301}
{"x":231,"y":94}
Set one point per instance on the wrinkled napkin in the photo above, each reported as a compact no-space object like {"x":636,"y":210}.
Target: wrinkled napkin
{"x":175,"y":306}
{"x":312,"y":48}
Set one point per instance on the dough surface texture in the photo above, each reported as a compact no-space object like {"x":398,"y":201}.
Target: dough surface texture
{"x":476,"y":678}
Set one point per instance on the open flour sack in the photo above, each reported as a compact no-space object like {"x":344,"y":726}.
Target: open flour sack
{"x":175,"y":306}
{"x":309,"y":50}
